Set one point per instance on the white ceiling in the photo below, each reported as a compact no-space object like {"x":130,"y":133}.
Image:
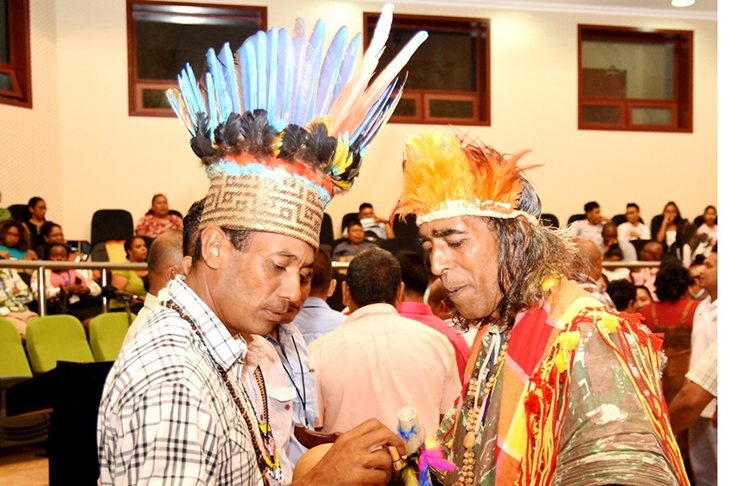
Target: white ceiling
{"x":702,"y":9}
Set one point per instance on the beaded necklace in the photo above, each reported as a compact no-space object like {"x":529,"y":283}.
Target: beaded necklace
{"x":267,"y":461}
{"x":475,"y":417}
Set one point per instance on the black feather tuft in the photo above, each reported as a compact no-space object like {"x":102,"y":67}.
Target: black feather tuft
{"x":292,"y":141}
{"x":319,"y":148}
{"x":201,"y":141}
{"x":257,"y":133}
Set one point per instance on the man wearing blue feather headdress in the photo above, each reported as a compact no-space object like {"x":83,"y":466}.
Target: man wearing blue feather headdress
{"x":281,"y":129}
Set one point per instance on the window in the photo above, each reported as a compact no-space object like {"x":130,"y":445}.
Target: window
{"x":15,"y":53}
{"x":164,"y":36}
{"x":635,"y":79}
{"x":448,"y":75}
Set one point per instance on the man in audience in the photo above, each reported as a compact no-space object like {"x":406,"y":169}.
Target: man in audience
{"x":539,"y":407}
{"x":700,"y":389}
{"x":316,"y":318}
{"x":356,"y":242}
{"x":594,"y":282}
{"x":14,"y":295}
{"x":613,"y":252}
{"x":378,"y":362}
{"x":652,"y":251}
{"x":623,"y":295}
{"x":415,"y":275}
{"x":633,"y":229}
{"x":589,"y":228}
{"x":381,"y":227}
{"x":703,"y":436}
{"x":164,"y":261}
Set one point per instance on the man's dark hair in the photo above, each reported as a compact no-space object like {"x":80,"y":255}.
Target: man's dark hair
{"x":614,"y":251}
{"x":621,"y":292}
{"x":373,"y":277}
{"x":365,"y":205}
{"x":191,"y":221}
{"x":322,"y":269}
{"x":414,"y":272}
{"x":240,"y":239}
{"x":354,"y":222}
{"x":633,"y":205}
{"x":590,"y":205}
{"x":165,"y":251}
{"x":672,"y":281}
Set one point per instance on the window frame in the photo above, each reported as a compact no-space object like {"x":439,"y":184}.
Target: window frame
{"x":682,"y":104}
{"x":19,"y":52}
{"x":136,"y":85}
{"x":481,"y":98}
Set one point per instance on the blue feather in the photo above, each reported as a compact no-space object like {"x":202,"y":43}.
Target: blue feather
{"x":262,"y":92}
{"x":185,"y":91}
{"x":330,"y":71}
{"x":248,"y":72}
{"x":285,"y":76}
{"x":306,"y":97}
{"x":211,"y":95}
{"x":272,"y":69}
{"x":175,"y":98}
{"x":373,"y":114}
{"x":223,"y":101}
{"x":227,"y":60}
{"x":299,"y":54}
{"x":346,"y":68}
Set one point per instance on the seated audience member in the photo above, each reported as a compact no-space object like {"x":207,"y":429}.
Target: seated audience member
{"x":135,"y":282}
{"x":591,"y":227}
{"x":646,"y":276}
{"x":16,"y":241}
{"x":378,"y":362}
{"x":696,"y":269}
{"x":5,"y":213}
{"x":158,"y":219}
{"x":673,"y":316}
{"x":623,"y":295}
{"x":643,"y":297}
{"x":593,"y":281}
{"x":355,"y":243}
{"x":52,"y":233}
{"x":415,"y":275}
{"x":633,"y":229}
{"x":14,"y":295}
{"x":706,"y":236}
{"x":697,"y":393}
{"x":164,"y":261}
{"x":673,"y":232}
{"x":37,"y":208}
{"x":68,"y":291}
{"x":371,"y":222}
{"x":316,"y":318}
{"x":613,"y":252}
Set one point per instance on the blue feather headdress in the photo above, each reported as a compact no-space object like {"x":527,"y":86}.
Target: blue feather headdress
{"x":281,"y":109}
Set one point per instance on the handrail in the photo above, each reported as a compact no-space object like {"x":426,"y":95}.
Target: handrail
{"x":42,"y":265}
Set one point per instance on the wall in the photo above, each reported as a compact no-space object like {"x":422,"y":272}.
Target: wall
{"x":106,"y":159}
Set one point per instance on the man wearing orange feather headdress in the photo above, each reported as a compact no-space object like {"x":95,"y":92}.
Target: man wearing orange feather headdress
{"x":559,"y":388}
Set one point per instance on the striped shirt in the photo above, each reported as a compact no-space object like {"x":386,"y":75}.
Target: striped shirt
{"x":166,"y":415}
{"x":705,"y":371}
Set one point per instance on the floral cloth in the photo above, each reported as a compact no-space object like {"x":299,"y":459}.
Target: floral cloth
{"x":152,"y":226}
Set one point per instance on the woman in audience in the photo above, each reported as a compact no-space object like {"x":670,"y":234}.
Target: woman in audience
{"x":15,"y":240}
{"x":706,"y":236}
{"x":69,"y":291}
{"x":52,"y":233}
{"x":673,"y":231}
{"x":134,"y":282}
{"x":158,"y":219}
{"x":643,"y":297}
{"x":37,"y":208}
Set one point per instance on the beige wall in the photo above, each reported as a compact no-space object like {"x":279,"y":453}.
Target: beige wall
{"x":93,"y":155}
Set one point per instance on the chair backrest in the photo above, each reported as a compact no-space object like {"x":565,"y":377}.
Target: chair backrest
{"x":53,"y":338}
{"x":576,"y":217}
{"x":20,"y":212}
{"x":326,"y":234}
{"x":549,"y":219}
{"x":619,"y":219}
{"x":107,"y":332}
{"x":110,"y":224}
{"x":346,"y":219}
{"x":13,"y":361}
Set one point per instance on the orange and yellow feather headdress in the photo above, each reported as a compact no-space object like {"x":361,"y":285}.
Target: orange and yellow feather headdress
{"x":447,"y":176}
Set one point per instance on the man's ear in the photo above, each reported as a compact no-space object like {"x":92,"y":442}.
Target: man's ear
{"x":332,"y":287}
{"x":399,"y":295}
{"x":214,"y":247}
{"x":346,"y":297}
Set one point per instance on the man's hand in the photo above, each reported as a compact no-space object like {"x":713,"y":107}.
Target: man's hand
{"x":4,"y":254}
{"x":359,"y":456}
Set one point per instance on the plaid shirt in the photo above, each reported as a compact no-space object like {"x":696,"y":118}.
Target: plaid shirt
{"x":166,"y":415}
{"x":705,"y":371}
{"x":10,"y":280}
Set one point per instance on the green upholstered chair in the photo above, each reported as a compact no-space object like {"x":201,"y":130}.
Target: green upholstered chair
{"x":13,"y":360}
{"x":56,"y":338}
{"x":107,"y":332}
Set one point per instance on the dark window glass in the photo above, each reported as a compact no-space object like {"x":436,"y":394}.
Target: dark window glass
{"x":15,"y":53}
{"x":4,"y":33}
{"x":600,"y":114}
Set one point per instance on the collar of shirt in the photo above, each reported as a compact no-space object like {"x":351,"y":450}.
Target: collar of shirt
{"x":315,"y":302}
{"x":372,"y":309}
{"x":225,"y":349}
{"x":416,"y":308}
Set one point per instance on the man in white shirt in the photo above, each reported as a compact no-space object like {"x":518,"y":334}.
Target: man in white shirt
{"x":589,"y":228}
{"x":703,"y":436}
{"x":633,"y":229}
